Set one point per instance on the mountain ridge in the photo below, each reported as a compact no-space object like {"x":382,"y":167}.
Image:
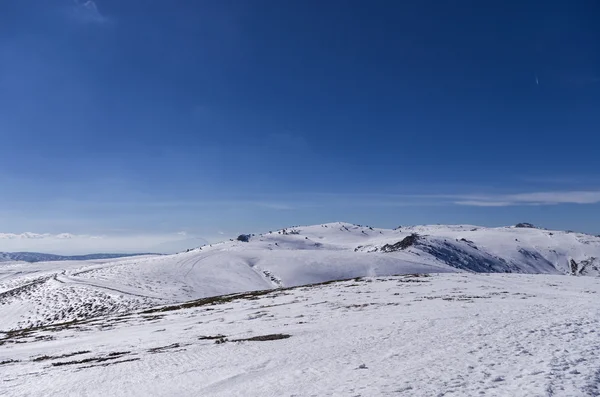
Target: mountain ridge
{"x":34,"y":294}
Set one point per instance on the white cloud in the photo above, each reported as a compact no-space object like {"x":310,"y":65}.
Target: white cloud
{"x":70,"y":244}
{"x":480,"y":203}
{"x":535,"y":198}
{"x":466,"y":199}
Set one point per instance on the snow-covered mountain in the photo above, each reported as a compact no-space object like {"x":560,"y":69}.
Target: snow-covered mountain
{"x":53,"y":292}
{"x":519,"y":249}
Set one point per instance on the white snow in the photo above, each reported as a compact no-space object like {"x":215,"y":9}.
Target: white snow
{"x":461,"y":334}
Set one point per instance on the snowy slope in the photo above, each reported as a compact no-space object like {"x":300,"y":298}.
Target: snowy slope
{"x":532,"y":250}
{"x":467,"y":247}
{"x":448,"y":334}
{"x":53,"y":292}
{"x":43,"y":293}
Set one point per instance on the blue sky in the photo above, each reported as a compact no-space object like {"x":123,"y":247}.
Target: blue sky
{"x":135,"y":118}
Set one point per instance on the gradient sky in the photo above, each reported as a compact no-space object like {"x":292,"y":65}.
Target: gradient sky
{"x":142,"y":120}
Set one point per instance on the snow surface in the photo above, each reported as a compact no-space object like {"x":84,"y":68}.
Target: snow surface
{"x":43,"y":293}
{"x":461,"y":334}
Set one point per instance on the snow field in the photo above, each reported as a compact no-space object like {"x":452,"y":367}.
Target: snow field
{"x":446,"y":334}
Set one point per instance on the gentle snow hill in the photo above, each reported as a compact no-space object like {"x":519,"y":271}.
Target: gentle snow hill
{"x":54,"y":292}
{"x":459,"y":334}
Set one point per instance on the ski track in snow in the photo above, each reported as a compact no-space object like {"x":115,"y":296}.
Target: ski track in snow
{"x":440,"y":335}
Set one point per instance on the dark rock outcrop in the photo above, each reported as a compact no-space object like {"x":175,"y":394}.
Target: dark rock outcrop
{"x":574,"y":267}
{"x":243,"y":238}
{"x":525,"y":225}
{"x":406,"y":242}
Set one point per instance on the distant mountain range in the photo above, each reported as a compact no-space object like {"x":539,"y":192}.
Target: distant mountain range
{"x":41,"y":257}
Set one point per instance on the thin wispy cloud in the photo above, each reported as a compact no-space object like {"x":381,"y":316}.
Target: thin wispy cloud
{"x":304,"y":201}
{"x":465,"y":199}
{"x":37,"y":236}
{"x":86,"y":11}
{"x":479,"y":203}
{"x":535,"y":198}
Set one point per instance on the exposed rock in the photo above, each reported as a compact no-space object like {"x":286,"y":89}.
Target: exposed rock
{"x":573,"y":267}
{"x":589,"y":266}
{"x":525,"y":225}
{"x":243,"y":238}
{"x":401,"y":245}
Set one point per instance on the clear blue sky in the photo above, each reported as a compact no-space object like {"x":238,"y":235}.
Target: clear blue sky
{"x":130,"y":117}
